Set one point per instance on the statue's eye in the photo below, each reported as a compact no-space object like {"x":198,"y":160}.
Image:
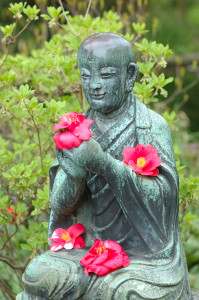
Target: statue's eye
{"x":86,"y":76}
{"x":107,"y":75}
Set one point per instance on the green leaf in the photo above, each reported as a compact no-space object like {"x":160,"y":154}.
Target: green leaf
{"x":8,"y":29}
{"x":31,"y":12}
{"x":17,"y":9}
{"x":26,"y":247}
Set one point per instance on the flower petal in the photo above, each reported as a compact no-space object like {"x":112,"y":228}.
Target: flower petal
{"x":88,"y":121}
{"x":101,"y":258}
{"x":100,"y":270}
{"x":113,"y":245}
{"x":87,"y":260}
{"x":151,"y":173}
{"x":115,"y":261}
{"x":79,"y":242}
{"x":135,"y":167}
{"x":56,"y":247}
{"x":57,"y":141}
{"x":83,"y":132}
{"x":149,"y":150}
{"x":75,"y":230}
{"x":66,"y":140}
{"x":68,"y":246}
{"x":61,"y":125}
{"x":152,"y":164}
{"x":128,"y":154}
{"x":56,"y":236}
{"x":126,"y":260}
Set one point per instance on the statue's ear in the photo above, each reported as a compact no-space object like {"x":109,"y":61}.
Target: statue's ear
{"x":132,"y":72}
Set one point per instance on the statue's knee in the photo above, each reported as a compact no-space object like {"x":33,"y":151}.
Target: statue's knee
{"x":52,"y":277}
{"x":40,"y":278}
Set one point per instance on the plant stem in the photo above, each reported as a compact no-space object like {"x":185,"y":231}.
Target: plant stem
{"x":67,"y":20}
{"x":8,"y":51}
{"x":9,"y":237}
{"x":38,"y":136}
{"x":88,"y":8}
{"x":182,"y":91}
{"x":7,"y":289}
{"x":22,"y":30}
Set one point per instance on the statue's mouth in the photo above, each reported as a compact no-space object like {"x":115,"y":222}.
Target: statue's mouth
{"x":97,"y":96}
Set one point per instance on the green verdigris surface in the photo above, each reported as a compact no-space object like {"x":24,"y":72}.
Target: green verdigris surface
{"x":91,"y":185}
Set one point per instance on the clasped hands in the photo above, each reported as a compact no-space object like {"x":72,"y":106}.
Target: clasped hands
{"x":89,"y":156}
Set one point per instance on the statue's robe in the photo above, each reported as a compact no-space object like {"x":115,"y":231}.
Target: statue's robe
{"x":139,"y":212}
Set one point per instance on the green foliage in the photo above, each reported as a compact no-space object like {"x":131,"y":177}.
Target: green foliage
{"x":31,"y":12}
{"x":17,"y":9}
{"x":54,"y":15}
{"x":7,"y":31}
{"x":35,"y":90}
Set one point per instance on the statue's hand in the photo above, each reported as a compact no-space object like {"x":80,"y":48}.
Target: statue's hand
{"x":69,"y":167}
{"x":89,"y":156}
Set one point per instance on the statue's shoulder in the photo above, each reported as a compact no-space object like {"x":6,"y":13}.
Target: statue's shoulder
{"x":148,"y":118}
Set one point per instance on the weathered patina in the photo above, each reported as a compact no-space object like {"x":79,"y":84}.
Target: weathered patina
{"x":91,"y":185}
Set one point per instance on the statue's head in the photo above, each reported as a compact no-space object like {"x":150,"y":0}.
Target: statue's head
{"x":108,"y":71}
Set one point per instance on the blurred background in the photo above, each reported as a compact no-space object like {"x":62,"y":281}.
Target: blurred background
{"x":39,"y":80}
{"x":173,"y":22}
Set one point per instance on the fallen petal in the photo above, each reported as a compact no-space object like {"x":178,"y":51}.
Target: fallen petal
{"x":75,"y":230}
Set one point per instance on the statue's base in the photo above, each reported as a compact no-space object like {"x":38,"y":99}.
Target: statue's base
{"x":26,"y":296}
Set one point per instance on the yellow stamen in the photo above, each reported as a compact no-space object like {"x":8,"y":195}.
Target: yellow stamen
{"x":66,"y":237}
{"x":101,"y":249}
{"x":141,"y":161}
{"x":72,"y":119}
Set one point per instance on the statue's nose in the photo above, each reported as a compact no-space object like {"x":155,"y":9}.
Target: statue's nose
{"x":95,"y":85}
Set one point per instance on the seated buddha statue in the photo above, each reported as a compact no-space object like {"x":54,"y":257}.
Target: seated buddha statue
{"x":91,"y":185}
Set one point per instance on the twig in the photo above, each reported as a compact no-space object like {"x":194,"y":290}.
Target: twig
{"x":9,"y":46}
{"x":5,"y":295}
{"x":22,"y":30}
{"x":9,"y":241}
{"x":16,"y":228}
{"x":182,"y":91}
{"x":8,"y":51}
{"x":67,"y":20}
{"x":6,"y":261}
{"x":7,"y":289}
{"x":64,"y":75}
{"x":38,"y":136}
{"x":88,"y":8}
{"x":136,"y":38}
{"x":13,"y":40}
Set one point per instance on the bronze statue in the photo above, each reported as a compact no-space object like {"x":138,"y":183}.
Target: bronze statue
{"x":91,"y":185}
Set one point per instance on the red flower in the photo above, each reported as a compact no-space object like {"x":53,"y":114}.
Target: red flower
{"x":12,"y":213}
{"x":76,"y":129}
{"x":143,"y":160}
{"x":104,"y":258}
{"x":68,"y":238}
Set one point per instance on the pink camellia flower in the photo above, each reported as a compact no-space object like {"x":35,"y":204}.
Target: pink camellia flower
{"x":67,"y":238}
{"x":76,"y":129}
{"x":143,"y":160}
{"x":104,"y":258}
{"x":12,"y":213}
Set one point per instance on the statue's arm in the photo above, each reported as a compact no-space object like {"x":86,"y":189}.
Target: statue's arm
{"x":116,"y":172}
{"x":67,"y":186}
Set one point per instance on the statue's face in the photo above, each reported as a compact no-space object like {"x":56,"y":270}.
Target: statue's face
{"x":103,"y":79}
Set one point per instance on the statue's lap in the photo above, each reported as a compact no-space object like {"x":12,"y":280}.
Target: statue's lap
{"x":54,"y":274}
{"x":59,"y":275}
